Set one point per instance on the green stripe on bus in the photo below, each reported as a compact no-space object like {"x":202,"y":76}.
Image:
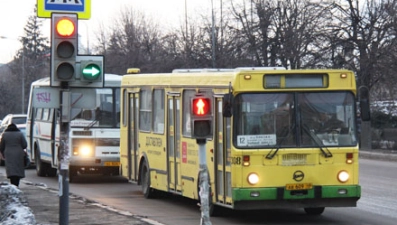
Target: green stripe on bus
{"x":240,"y":194}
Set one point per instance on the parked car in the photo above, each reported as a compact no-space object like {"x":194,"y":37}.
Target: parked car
{"x":17,"y":119}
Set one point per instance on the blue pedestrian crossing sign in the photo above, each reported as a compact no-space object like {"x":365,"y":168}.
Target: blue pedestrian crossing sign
{"x":81,"y":7}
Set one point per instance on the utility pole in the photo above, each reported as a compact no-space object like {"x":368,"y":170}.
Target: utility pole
{"x":213,"y":36}
{"x":63,"y":156}
{"x":204,"y":184}
{"x":201,"y":119}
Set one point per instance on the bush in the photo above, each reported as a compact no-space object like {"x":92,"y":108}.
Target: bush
{"x":381,"y":120}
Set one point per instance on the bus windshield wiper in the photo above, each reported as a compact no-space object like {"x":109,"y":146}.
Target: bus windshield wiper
{"x":272,"y":153}
{"x":90,"y":125}
{"x":319,"y":143}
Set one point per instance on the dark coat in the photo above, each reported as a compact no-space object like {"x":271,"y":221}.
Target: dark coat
{"x":12,"y":147}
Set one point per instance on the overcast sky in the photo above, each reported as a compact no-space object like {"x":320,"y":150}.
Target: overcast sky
{"x":14,"y":15}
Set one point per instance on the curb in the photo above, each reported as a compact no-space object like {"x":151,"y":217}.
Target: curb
{"x":390,"y":155}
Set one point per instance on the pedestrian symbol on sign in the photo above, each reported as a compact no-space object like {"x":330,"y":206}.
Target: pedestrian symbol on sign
{"x":69,"y":2}
{"x":65,"y":5}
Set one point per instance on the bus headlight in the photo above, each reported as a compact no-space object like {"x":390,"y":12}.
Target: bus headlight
{"x":253,"y":178}
{"x":343,"y":176}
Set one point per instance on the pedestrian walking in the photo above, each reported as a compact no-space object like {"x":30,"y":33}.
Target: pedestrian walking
{"x":12,"y":148}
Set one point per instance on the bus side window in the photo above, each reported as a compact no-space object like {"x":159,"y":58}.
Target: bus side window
{"x":106,"y":106}
{"x":104,"y":114}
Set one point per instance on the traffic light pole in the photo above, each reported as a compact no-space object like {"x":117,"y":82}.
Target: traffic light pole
{"x":63,"y":156}
{"x":204,"y":184}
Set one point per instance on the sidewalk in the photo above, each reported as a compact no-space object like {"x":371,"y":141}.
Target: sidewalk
{"x":388,"y":155}
{"x":45,"y":206}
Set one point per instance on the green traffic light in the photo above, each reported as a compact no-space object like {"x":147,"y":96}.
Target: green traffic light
{"x":91,"y":71}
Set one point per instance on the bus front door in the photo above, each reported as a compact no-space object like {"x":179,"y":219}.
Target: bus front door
{"x":133,"y":137}
{"x":223,"y":184}
{"x":173,"y":140}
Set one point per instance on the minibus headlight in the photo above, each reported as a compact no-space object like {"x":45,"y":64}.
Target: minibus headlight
{"x":83,"y":150}
{"x":253,"y":178}
{"x":343,"y":176}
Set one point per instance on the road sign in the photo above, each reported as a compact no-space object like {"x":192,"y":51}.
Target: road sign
{"x":81,"y":7}
{"x":46,"y":97}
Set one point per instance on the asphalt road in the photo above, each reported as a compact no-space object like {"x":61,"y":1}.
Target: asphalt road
{"x":377,"y":205}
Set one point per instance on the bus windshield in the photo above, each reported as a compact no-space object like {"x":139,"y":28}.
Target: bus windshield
{"x":295,"y":119}
{"x":95,"y":108}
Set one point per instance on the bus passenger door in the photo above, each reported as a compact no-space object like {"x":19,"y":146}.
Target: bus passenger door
{"x":223,"y":184}
{"x":173,"y":143}
{"x":54,"y":121}
{"x":133,"y":137}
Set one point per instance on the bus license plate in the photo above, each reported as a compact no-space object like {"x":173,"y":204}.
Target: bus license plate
{"x":303,"y":186}
{"x":112,"y":163}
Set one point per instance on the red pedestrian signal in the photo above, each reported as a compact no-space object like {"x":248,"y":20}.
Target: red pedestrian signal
{"x":201,"y":117}
{"x":201,"y":106}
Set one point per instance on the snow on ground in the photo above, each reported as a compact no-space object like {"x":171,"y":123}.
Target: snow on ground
{"x":387,"y":107}
{"x":13,"y":209}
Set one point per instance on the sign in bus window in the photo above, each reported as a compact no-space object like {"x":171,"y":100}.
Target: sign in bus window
{"x":304,"y":81}
{"x":295,"y":80}
{"x":256,"y":140}
{"x":272,"y":81}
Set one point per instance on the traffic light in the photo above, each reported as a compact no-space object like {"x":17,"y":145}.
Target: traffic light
{"x":201,"y":117}
{"x":64,"y":46}
{"x":89,"y":71}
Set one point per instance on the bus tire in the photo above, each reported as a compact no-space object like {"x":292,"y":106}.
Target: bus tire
{"x":40,"y":166}
{"x":51,"y":172}
{"x":147,"y":191}
{"x":314,"y":211}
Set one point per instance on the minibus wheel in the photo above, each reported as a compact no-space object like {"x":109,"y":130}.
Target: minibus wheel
{"x":40,"y":167}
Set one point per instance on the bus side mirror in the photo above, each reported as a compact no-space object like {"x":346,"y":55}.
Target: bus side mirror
{"x":227,"y":105}
{"x":364,"y":103}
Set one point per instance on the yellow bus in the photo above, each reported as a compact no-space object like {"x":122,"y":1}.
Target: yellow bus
{"x":281,"y":138}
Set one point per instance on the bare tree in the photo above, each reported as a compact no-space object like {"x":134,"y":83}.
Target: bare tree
{"x":10,"y":92}
{"x":30,"y":63}
{"x":254,"y":26}
{"x":282,"y":32}
{"x":298,"y":25}
{"x":134,"y":41}
{"x":366,"y":34}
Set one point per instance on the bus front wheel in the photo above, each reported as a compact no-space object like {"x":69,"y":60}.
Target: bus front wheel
{"x":314,"y":211}
{"x":147,"y":191}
